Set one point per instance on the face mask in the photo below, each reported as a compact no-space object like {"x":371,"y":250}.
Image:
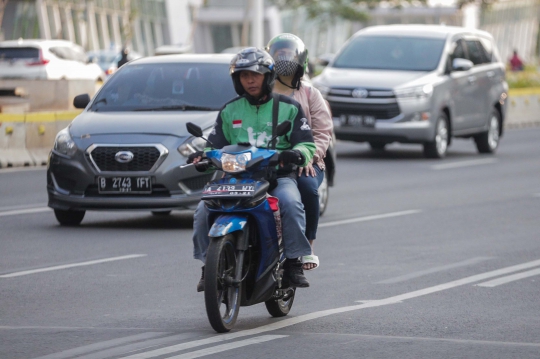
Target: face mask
{"x":286,"y":68}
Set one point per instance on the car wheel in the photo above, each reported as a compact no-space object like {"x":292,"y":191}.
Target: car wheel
{"x":438,"y":147}
{"x":161,"y":213}
{"x":377,"y":146}
{"x":323,"y":194}
{"x":69,"y":218}
{"x":488,"y":142}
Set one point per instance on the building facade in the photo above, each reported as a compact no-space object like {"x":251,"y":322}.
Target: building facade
{"x":142,"y":25}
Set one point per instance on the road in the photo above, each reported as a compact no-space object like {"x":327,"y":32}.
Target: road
{"x":419,"y":259}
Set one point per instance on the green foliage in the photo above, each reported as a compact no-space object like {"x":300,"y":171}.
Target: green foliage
{"x":530,"y":77}
{"x":352,"y":10}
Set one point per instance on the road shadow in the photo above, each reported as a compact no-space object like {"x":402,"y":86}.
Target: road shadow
{"x":141,"y":221}
{"x":396,"y":152}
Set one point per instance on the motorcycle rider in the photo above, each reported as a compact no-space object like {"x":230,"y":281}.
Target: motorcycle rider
{"x":291,"y":57}
{"x":248,"y":118}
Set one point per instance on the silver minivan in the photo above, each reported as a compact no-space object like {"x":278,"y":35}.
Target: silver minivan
{"x":417,"y":84}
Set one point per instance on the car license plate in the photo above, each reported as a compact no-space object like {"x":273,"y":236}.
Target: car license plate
{"x":124,"y":185}
{"x":357,"y":120}
{"x":240,"y":189}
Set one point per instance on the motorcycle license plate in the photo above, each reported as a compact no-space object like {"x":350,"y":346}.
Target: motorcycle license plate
{"x":239,"y":189}
{"x":125,"y":185}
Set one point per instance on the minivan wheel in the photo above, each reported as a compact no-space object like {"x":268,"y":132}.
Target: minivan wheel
{"x":323,"y":194}
{"x":488,"y":142}
{"x":438,"y":147}
{"x":69,"y":218}
{"x":377,"y":146}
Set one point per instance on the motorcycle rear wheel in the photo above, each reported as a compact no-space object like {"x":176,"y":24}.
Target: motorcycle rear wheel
{"x":281,"y":307}
{"x":221,"y":297}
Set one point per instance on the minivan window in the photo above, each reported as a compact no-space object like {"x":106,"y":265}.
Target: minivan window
{"x":9,"y":53}
{"x":391,"y":53}
{"x":476,"y":52}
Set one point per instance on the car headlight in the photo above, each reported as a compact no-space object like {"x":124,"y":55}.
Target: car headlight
{"x":235,"y":163}
{"x":418,"y":92}
{"x":323,"y":89}
{"x":64,"y":144}
{"x":194,"y":144}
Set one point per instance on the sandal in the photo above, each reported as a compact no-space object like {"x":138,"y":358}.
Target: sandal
{"x":312,"y":259}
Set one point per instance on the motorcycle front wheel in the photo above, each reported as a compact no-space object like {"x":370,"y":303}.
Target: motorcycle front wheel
{"x":282,"y":306}
{"x":221,"y":297}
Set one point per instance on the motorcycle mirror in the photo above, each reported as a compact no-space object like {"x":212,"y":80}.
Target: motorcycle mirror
{"x":283,"y":128}
{"x":194,"y":130}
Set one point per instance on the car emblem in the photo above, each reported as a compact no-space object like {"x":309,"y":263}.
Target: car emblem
{"x":360,"y":93}
{"x":124,"y":156}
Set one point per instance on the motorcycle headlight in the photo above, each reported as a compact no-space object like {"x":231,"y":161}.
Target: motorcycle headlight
{"x":235,"y":163}
{"x":194,"y":144}
{"x":418,"y":92}
{"x":64,"y":144}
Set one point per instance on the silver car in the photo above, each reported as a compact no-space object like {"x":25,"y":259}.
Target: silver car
{"x":417,"y":84}
{"x":126,"y":150}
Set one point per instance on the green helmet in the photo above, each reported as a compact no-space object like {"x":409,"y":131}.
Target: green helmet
{"x":290,"y":55}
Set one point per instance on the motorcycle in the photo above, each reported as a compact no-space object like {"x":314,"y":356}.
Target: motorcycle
{"x":244,"y":261}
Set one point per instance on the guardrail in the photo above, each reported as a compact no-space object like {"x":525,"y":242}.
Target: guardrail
{"x":26,"y":139}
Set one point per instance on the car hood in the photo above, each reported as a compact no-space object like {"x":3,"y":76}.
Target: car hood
{"x":378,"y":79}
{"x":147,"y":122}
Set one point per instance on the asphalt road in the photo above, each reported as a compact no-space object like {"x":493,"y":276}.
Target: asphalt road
{"x":419,"y":259}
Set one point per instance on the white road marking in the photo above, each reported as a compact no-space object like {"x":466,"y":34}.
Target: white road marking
{"x":228,"y":346}
{"x":369,"y":218}
{"x":101,"y":345}
{"x":25,"y":211}
{"x":445,"y":166}
{"x":72,"y":265}
{"x":324,"y":313}
{"x":510,"y":278}
{"x":422,"y":273}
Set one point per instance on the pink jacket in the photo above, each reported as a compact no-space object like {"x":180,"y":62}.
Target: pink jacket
{"x":319,"y":119}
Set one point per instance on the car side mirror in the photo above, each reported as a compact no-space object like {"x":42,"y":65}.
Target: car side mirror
{"x":325,"y":59}
{"x":461,"y":65}
{"x":81,"y":101}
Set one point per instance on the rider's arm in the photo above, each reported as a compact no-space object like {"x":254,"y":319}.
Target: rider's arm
{"x":300,"y":136}
{"x":220,"y":134}
{"x":321,"y":122}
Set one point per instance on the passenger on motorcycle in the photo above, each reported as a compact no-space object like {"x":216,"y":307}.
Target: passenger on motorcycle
{"x":248,"y":118}
{"x":291,"y":57}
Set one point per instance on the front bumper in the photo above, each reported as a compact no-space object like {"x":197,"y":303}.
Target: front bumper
{"x":72,"y":185}
{"x":385,"y":131}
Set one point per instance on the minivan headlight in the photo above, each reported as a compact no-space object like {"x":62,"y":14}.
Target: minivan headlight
{"x":64,"y":144}
{"x":418,"y":92}
{"x":194,"y":144}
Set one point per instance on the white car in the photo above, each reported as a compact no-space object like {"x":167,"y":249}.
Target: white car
{"x":47,"y":60}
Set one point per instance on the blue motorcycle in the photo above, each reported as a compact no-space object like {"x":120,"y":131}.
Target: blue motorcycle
{"x":244,"y":261}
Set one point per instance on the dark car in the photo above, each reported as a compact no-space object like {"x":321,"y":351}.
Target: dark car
{"x":125,"y":151}
{"x":417,"y":84}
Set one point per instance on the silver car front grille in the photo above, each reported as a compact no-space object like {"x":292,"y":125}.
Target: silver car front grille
{"x":146,"y":158}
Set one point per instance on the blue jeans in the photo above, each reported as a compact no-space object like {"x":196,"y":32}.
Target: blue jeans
{"x":309,"y":191}
{"x":293,"y":222}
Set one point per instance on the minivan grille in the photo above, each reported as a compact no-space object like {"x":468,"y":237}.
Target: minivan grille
{"x":379,"y":111}
{"x":144,"y":158}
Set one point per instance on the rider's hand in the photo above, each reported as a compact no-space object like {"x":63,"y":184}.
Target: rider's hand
{"x":195,"y":157}
{"x":309,"y":170}
{"x":291,"y":156}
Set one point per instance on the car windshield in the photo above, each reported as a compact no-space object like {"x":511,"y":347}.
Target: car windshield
{"x":166,"y":87}
{"x":391,"y":53}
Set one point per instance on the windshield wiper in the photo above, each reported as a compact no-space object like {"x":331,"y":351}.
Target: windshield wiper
{"x":177,"y":107}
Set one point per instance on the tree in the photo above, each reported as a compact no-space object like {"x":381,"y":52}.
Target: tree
{"x":3,"y":4}
{"x":353,"y":10}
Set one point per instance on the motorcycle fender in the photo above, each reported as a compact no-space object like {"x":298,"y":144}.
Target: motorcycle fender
{"x":227,"y":223}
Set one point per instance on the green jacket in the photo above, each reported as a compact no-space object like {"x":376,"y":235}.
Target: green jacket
{"x":242,"y":121}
